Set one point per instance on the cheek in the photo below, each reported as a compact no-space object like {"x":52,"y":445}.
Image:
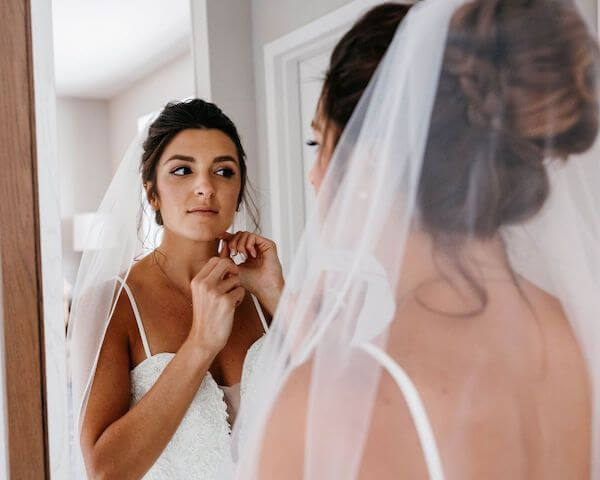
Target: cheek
{"x":228,"y":197}
{"x":170,"y":195}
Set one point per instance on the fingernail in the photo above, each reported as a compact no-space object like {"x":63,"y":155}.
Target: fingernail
{"x":233,"y":252}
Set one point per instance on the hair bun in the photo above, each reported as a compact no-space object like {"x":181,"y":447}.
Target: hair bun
{"x":518,"y":84}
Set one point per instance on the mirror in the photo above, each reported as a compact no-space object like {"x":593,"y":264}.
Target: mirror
{"x":117,"y":63}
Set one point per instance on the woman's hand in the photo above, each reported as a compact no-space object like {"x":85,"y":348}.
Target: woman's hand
{"x":261,"y":273}
{"x":216,"y":292}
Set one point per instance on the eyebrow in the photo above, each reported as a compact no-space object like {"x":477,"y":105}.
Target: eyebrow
{"x":186,"y":158}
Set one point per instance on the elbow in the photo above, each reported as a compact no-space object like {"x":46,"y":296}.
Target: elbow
{"x":98,"y":468}
{"x":99,"y":473}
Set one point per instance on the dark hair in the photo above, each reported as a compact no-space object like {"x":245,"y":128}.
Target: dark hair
{"x":354,"y":60}
{"x":518,"y":85}
{"x":178,"y":116}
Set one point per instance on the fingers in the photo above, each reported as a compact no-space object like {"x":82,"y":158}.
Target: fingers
{"x":236,"y":296}
{"x":241,"y":243}
{"x":237,"y":243}
{"x":208,"y":267}
{"x":229,"y":284}
{"x":223,"y":268}
{"x":224,"y":253}
{"x":251,"y":244}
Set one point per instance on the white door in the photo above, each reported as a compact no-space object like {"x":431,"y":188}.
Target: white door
{"x":294,"y":69}
{"x":311,"y":73}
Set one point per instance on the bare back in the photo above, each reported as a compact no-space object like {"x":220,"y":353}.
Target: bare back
{"x":506,"y":392}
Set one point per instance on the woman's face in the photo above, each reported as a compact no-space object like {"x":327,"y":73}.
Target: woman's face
{"x":198,"y":179}
{"x":325,"y":144}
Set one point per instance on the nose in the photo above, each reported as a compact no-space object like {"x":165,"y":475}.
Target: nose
{"x":204,"y":188}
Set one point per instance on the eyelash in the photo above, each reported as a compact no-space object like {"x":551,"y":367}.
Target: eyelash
{"x":180,"y":168}
{"x":312,"y":143}
{"x":227,"y":172}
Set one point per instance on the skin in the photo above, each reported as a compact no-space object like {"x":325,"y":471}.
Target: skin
{"x":524,"y":410}
{"x":202,"y":314}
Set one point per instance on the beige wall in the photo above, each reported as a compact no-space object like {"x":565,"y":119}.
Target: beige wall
{"x":84,"y":166}
{"x":589,"y":9}
{"x":173,"y":81}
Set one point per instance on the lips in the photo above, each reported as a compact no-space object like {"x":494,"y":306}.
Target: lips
{"x":204,"y":212}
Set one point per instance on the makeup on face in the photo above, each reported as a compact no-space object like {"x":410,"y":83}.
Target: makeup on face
{"x":199,"y":180}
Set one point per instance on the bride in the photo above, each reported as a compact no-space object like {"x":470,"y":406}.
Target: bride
{"x":157,"y":366}
{"x":442,"y":316}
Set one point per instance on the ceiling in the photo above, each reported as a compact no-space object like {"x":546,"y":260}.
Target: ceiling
{"x":103,"y":46}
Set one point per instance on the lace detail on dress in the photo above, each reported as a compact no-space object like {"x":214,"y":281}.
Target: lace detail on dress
{"x":201,"y":446}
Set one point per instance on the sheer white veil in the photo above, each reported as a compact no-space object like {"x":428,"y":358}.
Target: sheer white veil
{"x":123,"y":229}
{"x":351,"y":292}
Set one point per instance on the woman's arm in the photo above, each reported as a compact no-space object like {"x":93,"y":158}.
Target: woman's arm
{"x":123,"y":443}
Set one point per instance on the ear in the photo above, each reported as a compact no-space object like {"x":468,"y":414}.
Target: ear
{"x":151,"y":196}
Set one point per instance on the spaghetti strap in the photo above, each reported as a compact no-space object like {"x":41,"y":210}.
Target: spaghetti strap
{"x":138,"y":318}
{"x":260,"y":313}
{"x":415,"y":407}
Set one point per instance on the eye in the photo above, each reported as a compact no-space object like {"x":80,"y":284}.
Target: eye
{"x":182,"y":171}
{"x":312,"y":143}
{"x":225,"y":172}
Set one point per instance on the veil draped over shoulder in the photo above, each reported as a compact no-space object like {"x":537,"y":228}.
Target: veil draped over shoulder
{"x":442,"y":316}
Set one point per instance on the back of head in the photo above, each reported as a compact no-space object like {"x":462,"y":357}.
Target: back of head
{"x":354,"y":61}
{"x":517,"y":87}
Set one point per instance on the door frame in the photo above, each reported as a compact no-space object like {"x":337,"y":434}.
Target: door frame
{"x":23,"y":350}
{"x":32,"y":319}
{"x":284,"y":134}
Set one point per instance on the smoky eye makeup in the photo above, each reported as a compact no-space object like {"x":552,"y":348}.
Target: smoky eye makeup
{"x":177,"y":171}
{"x":226,"y":172}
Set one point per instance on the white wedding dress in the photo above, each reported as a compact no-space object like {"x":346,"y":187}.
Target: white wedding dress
{"x":201,"y":445}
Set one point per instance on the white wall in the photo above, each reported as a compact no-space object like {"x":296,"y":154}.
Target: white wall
{"x":84,"y":165}
{"x":272,"y":19}
{"x":174,"y":81}
{"x":232,"y":70}
{"x":589,"y":9}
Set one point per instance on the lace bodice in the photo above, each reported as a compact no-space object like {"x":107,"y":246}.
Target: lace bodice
{"x":201,"y":446}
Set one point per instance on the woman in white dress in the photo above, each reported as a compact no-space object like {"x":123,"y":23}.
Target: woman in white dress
{"x":160,"y":397}
{"x":442,"y":317}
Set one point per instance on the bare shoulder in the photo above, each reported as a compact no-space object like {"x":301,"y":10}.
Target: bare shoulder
{"x":565,"y":393}
{"x":110,"y":391}
{"x":556,"y":326}
{"x":287,"y":427}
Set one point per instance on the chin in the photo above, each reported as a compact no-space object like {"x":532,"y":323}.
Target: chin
{"x":205,"y":233}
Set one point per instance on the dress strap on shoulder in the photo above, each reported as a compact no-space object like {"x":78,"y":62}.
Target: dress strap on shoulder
{"x":260,"y":312}
{"x":415,"y":407}
{"x":138,"y":318}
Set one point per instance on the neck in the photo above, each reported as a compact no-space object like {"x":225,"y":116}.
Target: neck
{"x":424,"y":263}
{"x":181,"y":259}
